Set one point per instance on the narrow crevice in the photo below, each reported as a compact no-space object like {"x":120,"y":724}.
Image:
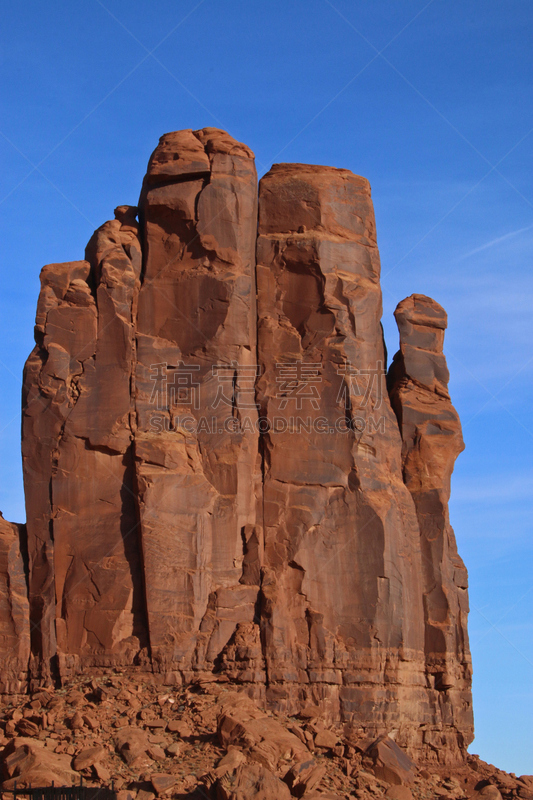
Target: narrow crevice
{"x":142,"y":596}
{"x":263,"y":456}
{"x":133,"y":551}
{"x":159,"y":182}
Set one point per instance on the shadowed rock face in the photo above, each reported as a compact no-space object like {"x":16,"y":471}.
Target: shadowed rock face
{"x":218,"y":486}
{"x":14,"y":609}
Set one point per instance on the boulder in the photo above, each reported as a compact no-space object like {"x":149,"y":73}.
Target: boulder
{"x":88,"y":757}
{"x":488,"y":792}
{"x":304,"y":776}
{"x":399,"y":792}
{"x":133,"y":745}
{"x":326,"y":740}
{"x":391,"y":764}
{"x":28,"y":761}
{"x":240,"y":723}
{"x":251,"y":782}
{"x":162,"y":782}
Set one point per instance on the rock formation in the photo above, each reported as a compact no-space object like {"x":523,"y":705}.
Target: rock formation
{"x":209,"y":742}
{"x":218,"y":485}
{"x":341,"y":593}
{"x":14,"y":609}
{"x":86,"y":581}
{"x":197,"y":476}
{"x":432,"y":440}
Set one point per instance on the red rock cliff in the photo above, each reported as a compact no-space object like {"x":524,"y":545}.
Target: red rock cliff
{"x":14,"y":610}
{"x":218,"y":486}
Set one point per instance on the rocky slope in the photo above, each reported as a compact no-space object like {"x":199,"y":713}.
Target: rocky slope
{"x":208,"y":742}
{"x":222,"y":483}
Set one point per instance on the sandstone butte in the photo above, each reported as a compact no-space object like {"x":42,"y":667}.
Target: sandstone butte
{"x":223,"y":484}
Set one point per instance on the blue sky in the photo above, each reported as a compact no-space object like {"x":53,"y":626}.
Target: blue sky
{"x":431,"y":101}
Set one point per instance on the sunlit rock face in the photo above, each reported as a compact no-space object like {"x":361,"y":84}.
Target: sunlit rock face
{"x":220,"y":485}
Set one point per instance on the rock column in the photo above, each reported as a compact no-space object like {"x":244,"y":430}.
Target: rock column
{"x":196,"y":443}
{"x":432,"y":440}
{"x":86,"y":585}
{"x":341,"y":595}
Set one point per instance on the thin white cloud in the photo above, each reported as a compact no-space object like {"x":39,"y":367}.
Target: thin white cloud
{"x":493,"y":489}
{"x":494,"y":242}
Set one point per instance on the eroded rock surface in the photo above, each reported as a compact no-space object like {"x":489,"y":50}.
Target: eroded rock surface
{"x":86,"y":582}
{"x":197,"y":474}
{"x":14,"y":609}
{"x":341,"y":593}
{"x":218,"y":486}
{"x":210,"y":741}
{"x":432,"y":440}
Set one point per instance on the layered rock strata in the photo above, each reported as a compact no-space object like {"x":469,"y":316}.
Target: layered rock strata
{"x":218,"y":487}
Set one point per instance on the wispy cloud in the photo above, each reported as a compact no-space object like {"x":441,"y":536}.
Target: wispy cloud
{"x":494,"y":242}
{"x":494,"y":489}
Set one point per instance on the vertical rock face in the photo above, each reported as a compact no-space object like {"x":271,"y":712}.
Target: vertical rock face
{"x":86,"y":587}
{"x":341,"y":592}
{"x":321,"y":350}
{"x":217,"y":483}
{"x":432,"y":440}
{"x":14,"y":610}
{"x":196,"y":443}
